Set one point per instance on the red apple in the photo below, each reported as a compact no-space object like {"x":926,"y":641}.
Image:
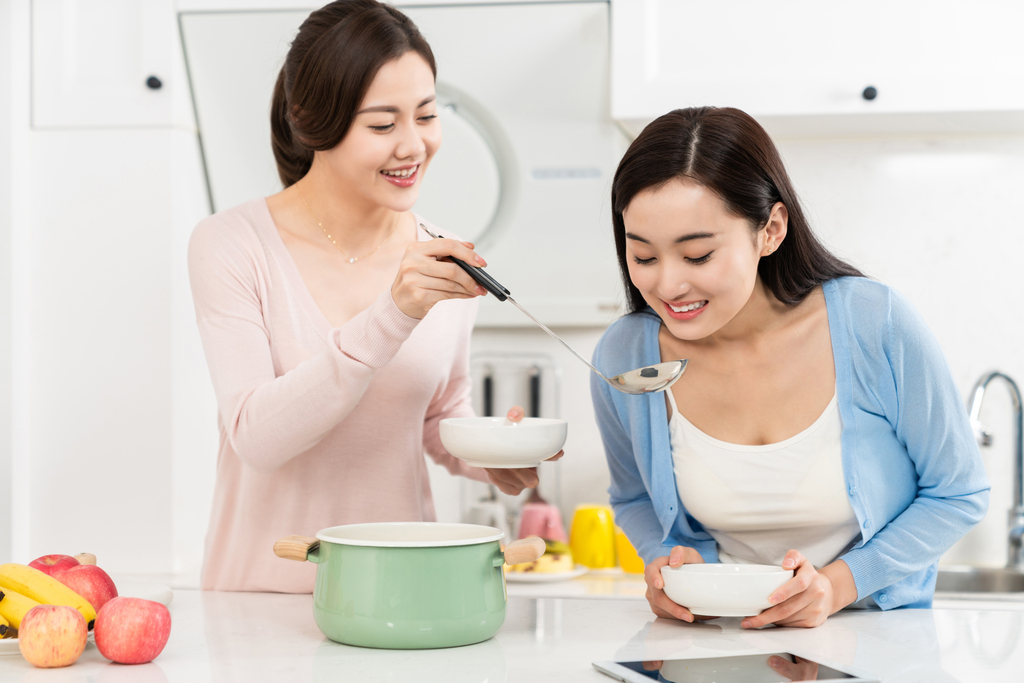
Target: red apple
{"x":132,"y":630}
{"x":50,"y":564}
{"x":89,"y":581}
{"x":52,"y":636}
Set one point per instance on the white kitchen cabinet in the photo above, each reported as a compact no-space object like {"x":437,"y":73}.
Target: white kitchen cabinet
{"x":807,"y":65}
{"x":110,"y":405}
{"x":93,"y":63}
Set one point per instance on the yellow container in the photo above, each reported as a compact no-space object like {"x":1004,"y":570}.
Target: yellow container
{"x":628,"y":559}
{"x":592,"y":538}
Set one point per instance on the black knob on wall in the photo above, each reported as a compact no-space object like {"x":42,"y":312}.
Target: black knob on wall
{"x":870,"y":93}
{"x":154,"y":83}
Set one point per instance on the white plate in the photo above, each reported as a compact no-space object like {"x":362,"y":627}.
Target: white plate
{"x":545,"y":577}
{"x":9,"y":646}
{"x":131,"y":588}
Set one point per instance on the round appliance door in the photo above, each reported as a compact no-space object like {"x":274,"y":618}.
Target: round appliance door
{"x":462,"y":191}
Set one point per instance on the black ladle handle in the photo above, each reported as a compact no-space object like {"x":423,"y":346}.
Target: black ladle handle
{"x":482,"y":277}
{"x":478,"y":274}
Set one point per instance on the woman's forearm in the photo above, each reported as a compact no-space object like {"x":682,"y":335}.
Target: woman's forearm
{"x":271,"y":419}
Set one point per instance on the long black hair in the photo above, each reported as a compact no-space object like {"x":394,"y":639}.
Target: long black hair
{"x":728,"y":152}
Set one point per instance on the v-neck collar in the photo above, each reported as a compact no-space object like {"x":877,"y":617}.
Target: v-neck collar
{"x":269,"y":235}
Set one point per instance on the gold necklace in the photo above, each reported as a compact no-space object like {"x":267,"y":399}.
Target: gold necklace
{"x":351,"y":259}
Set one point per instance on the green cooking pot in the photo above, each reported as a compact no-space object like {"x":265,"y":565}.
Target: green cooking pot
{"x":409,"y":585}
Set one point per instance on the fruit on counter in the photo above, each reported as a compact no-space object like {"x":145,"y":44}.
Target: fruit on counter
{"x":44,"y":589}
{"x":4,"y":627}
{"x":89,"y":581}
{"x":14,"y":606}
{"x":49,"y":564}
{"x":132,"y":630}
{"x":557,"y":558}
{"x":52,"y":636}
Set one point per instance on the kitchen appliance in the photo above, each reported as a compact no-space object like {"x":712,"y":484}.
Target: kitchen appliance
{"x":489,"y":511}
{"x":626,"y":554}
{"x":529,"y":146}
{"x":540,"y":518}
{"x":409,"y":585}
{"x":768,"y":667}
{"x":592,"y":536}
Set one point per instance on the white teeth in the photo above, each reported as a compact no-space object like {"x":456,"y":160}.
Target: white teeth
{"x":690,"y":307}
{"x":404,"y":173}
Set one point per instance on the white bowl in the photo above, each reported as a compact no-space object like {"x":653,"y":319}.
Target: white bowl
{"x":498,"y":443}
{"x":724,"y":590}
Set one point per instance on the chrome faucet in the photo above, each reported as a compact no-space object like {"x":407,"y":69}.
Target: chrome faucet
{"x":1015,"y":558}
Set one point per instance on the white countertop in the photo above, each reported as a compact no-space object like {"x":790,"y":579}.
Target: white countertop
{"x":224,"y":637}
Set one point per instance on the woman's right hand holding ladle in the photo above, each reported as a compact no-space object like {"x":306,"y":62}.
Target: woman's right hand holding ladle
{"x":424,"y":278}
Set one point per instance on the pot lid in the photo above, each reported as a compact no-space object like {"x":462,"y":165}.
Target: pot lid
{"x":410,"y":534}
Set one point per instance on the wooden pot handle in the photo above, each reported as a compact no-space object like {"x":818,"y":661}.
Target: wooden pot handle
{"x":527,"y":549}
{"x":296,"y":548}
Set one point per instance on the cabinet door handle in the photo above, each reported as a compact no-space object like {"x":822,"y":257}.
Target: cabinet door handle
{"x":154,"y":83}
{"x":870,"y":93}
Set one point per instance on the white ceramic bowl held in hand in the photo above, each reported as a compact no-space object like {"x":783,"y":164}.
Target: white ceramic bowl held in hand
{"x":498,"y":443}
{"x":724,"y":590}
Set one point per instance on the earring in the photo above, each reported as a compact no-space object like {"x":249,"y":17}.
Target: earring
{"x":769,"y":250}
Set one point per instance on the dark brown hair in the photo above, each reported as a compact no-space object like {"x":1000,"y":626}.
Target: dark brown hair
{"x":728,"y":152}
{"x":330,"y":65}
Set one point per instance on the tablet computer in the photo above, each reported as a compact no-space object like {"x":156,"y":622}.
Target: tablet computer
{"x":771,"y":667}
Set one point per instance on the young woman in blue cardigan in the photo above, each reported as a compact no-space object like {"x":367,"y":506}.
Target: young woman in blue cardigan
{"x":817,"y":426}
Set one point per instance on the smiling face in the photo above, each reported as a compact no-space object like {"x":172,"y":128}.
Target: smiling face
{"x":693,"y":261}
{"x":394,"y":135}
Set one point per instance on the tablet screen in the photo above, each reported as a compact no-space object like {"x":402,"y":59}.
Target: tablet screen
{"x":776,"y":667}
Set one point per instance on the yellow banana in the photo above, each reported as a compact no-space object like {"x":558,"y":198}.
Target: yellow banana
{"x":14,"y":607}
{"x":44,"y":589}
{"x":4,"y":626}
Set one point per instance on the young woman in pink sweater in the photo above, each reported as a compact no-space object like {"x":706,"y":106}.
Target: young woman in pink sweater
{"x":336,"y":334}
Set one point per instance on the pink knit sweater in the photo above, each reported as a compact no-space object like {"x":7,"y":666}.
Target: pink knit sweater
{"x":319,"y":426}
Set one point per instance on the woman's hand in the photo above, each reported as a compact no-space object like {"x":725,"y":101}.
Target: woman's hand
{"x":424,"y":279}
{"x":513,"y":481}
{"x":810,"y":597}
{"x":660,"y":603}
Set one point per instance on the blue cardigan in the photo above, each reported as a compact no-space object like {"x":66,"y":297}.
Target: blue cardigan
{"x":913,"y":471}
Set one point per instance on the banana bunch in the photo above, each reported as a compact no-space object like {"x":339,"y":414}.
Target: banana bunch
{"x":24,"y":587}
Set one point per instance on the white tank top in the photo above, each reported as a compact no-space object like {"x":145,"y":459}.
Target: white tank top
{"x":758,"y":502}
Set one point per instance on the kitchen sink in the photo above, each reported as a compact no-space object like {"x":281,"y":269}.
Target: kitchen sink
{"x":979,"y":580}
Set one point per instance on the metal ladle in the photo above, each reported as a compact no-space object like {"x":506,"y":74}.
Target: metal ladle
{"x":645,"y":380}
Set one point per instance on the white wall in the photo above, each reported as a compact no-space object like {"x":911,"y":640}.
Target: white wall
{"x":105,"y":431}
{"x":6,"y":395}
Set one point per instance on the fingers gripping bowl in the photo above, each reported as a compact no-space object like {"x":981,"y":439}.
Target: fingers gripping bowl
{"x":723,"y":590}
{"x":496,"y":442}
